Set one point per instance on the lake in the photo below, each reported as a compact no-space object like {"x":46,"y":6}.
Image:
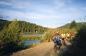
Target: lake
{"x":31,"y":42}
{"x":26,"y":35}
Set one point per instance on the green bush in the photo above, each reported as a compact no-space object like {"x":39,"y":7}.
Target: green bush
{"x":78,"y":47}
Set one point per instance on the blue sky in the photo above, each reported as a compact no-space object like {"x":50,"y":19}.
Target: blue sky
{"x":47,"y":13}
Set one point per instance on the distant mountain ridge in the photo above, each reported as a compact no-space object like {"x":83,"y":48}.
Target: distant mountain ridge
{"x":78,"y":24}
{"x":70,"y":28}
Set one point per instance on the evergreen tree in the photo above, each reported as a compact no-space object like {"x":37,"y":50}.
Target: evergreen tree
{"x":73,"y":24}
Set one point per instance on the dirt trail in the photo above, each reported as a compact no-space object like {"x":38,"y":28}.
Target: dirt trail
{"x":43,"y":49}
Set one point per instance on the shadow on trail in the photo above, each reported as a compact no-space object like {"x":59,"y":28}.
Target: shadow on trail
{"x":55,"y":51}
{"x":52,"y":52}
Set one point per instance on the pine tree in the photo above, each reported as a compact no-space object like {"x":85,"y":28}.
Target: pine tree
{"x":73,"y":24}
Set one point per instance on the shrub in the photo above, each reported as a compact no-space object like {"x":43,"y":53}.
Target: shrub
{"x":78,"y":47}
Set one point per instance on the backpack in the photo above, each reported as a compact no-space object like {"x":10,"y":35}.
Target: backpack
{"x":58,"y":40}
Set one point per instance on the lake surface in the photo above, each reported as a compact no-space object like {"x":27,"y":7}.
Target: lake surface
{"x":26,"y":35}
{"x":31,"y":42}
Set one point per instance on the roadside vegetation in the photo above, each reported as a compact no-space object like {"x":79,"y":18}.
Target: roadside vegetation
{"x":10,"y":35}
{"x":78,"y":47}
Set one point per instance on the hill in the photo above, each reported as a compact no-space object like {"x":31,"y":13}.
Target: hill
{"x":78,"y":24}
{"x":25,"y":27}
{"x":71,"y":27}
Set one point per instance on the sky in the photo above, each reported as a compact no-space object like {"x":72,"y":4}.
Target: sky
{"x":47,"y":13}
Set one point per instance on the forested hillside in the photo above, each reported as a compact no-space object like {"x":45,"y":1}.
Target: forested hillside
{"x":24,"y":27}
{"x":73,"y":24}
{"x":71,"y":27}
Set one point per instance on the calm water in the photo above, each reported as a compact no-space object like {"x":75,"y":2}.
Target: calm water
{"x":37,"y":35}
{"x":30,"y":42}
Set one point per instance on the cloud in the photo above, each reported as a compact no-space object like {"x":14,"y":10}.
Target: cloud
{"x":51,"y":26}
{"x":16,"y":4}
{"x":21,"y":5}
{"x":43,"y":12}
{"x":5,"y":3}
{"x":6,"y":0}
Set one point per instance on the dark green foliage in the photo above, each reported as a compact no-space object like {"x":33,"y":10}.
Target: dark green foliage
{"x":78,"y":47}
{"x":9,"y":38}
{"x":73,"y":24}
{"x":27,"y":27}
{"x":3,"y":24}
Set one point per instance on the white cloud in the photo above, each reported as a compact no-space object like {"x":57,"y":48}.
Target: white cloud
{"x":5,"y":3}
{"x":59,"y":11}
{"x":43,"y":16}
{"x":21,"y":5}
{"x":16,"y":4}
{"x":50,"y":26}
